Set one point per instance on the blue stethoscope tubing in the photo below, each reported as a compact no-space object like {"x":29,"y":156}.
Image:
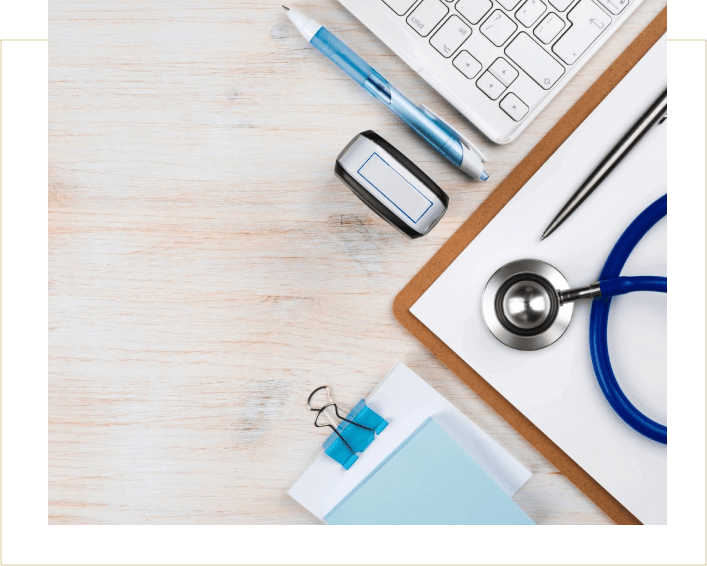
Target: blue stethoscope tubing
{"x":612,"y":284}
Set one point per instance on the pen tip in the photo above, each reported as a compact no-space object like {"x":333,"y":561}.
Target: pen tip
{"x":286,"y":8}
{"x":543,"y":237}
{"x":484,"y":176}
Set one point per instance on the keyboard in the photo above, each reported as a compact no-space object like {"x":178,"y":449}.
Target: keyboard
{"x":499,"y":62}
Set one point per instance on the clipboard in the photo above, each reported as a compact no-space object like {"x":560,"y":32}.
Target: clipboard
{"x":476,"y":223}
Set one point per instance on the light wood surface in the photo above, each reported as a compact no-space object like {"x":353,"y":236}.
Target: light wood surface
{"x":207,"y":270}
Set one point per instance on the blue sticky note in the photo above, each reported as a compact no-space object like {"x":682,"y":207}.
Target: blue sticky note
{"x":428,"y":480}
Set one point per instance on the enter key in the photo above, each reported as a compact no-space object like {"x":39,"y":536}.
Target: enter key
{"x":589,"y":21}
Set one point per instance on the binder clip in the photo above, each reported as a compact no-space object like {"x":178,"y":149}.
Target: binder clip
{"x":353,"y":434}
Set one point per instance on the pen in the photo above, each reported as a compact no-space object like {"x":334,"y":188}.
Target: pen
{"x":656,"y":114}
{"x":435,"y":131}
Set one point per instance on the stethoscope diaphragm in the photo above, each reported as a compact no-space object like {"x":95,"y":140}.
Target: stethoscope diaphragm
{"x":521,"y":305}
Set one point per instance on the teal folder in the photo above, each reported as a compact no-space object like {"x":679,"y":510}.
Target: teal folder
{"x":428,"y":480}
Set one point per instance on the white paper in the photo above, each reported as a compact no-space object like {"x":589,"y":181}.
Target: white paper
{"x":556,"y":387}
{"x":405,"y":401}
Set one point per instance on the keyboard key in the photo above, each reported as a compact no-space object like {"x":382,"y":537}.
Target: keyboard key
{"x":509,"y":4}
{"x":481,"y":48}
{"x":498,"y":28}
{"x":426,"y":16}
{"x":400,"y":7}
{"x":530,"y":12}
{"x":503,"y":71}
{"x":490,"y":85}
{"x":561,"y":5}
{"x":468,"y":66}
{"x":534,"y":60}
{"x":514,"y":107}
{"x":450,"y":36}
{"x":548,"y":29}
{"x":474,"y":10}
{"x":614,"y":6}
{"x":589,"y":21}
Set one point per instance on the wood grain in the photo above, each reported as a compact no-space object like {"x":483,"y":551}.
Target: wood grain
{"x":207,"y":270}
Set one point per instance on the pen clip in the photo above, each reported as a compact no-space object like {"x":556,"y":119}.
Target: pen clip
{"x":462,"y":139}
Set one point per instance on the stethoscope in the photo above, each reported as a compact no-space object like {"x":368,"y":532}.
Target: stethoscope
{"x":528,"y":304}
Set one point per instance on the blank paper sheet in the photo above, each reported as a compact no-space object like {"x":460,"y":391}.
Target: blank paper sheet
{"x":556,"y":387}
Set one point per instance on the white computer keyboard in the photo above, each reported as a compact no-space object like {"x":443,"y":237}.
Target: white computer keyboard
{"x":499,"y":62}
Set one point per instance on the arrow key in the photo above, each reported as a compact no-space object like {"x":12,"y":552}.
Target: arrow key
{"x":467,"y":65}
{"x":503,"y":71}
{"x":492,"y":87}
{"x":514,"y":107}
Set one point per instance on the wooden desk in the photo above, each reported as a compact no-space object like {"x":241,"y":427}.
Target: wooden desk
{"x":207,"y":270}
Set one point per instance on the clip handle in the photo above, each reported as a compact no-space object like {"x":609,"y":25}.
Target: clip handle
{"x":330,"y":402}
{"x":454,"y":133}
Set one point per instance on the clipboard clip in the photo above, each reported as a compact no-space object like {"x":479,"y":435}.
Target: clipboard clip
{"x":355,"y":433}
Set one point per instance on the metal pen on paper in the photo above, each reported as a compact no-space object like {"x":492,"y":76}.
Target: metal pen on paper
{"x":656,"y":114}
{"x":435,"y":131}
{"x":352,"y":435}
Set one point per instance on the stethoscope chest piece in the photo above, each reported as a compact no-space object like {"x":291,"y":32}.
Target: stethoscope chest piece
{"x":521,"y":305}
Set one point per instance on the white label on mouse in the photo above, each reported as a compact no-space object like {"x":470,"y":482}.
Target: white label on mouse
{"x":396,"y":189}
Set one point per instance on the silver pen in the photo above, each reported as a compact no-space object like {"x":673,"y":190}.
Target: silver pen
{"x":656,"y":114}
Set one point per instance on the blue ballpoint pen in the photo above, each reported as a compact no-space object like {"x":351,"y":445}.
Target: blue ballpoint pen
{"x":435,"y":131}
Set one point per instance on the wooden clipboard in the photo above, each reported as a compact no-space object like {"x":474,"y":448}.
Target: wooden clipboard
{"x":477,"y":222}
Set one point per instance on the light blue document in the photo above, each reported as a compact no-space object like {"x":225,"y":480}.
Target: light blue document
{"x":428,"y":480}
